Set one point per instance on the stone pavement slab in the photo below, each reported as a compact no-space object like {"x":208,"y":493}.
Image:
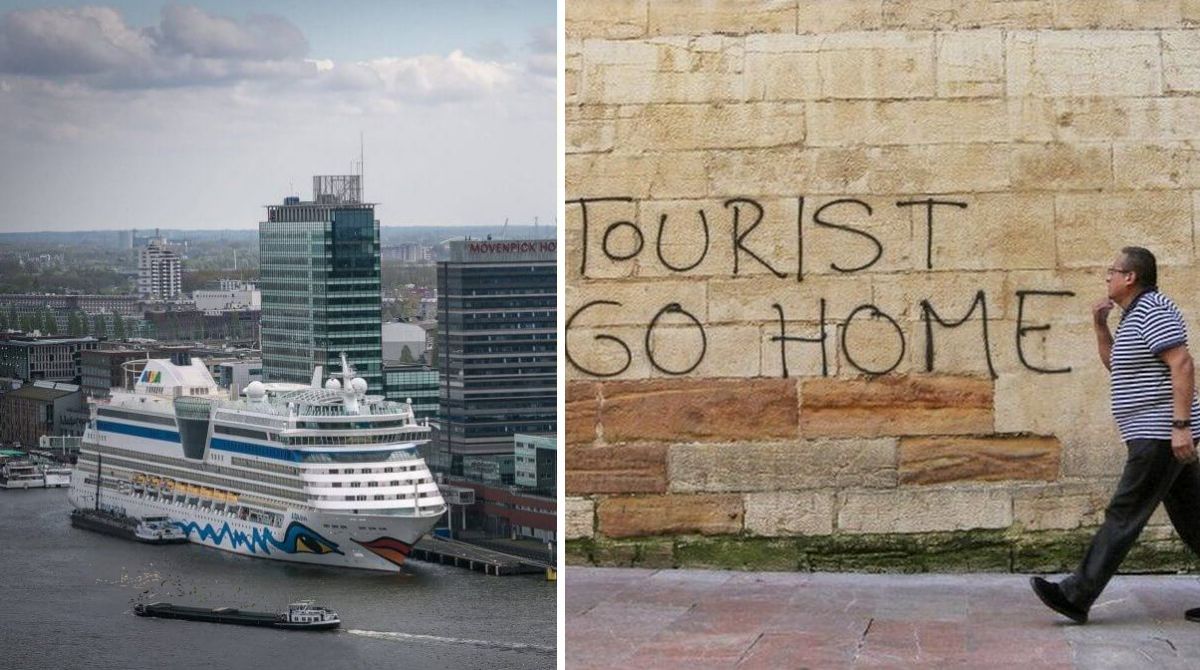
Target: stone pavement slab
{"x":698,"y":619}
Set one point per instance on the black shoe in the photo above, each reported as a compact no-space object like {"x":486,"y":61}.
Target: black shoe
{"x":1192,"y":614}
{"x":1052,"y":596}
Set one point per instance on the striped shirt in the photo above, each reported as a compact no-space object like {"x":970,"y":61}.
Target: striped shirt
{"x":1142,"y":402}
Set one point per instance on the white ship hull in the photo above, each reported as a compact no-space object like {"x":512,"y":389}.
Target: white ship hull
{"x":368,"y":542}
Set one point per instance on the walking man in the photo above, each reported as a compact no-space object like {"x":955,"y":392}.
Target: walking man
{"x":1155,"y":406}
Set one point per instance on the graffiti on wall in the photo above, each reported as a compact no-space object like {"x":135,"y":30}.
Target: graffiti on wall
{"x":624,"y":240}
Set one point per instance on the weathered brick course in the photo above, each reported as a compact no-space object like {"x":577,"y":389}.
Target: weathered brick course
{"x":909,"y":405}
{"x":634,"y":516}
{"x":938,"y":460}
{"x":699,"y":409}
{"x":624,"y":468}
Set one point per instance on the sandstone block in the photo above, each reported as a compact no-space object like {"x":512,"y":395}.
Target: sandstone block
{"x":908,"y":405}
{"x":938,"y":168}
{"x":676,"y":231}
{"x":848,"y":122}
{"x":788,"y":171}
{"x":626,"y":468}
{"x":782,"y":67}
{"x":965,"y":14}
{"x":1091,"y":227}
{"x":1087,"y":119}
{"x":1060,"y":167}
{"x":724,"y":351}
{"x":1083,"y":63}
{"x":877,"y":65}
{"x":679,"y":410}
{"x":820,"y":17}
{"x":672,"y":175}
{"x":619,"y":19}
{"x":640,"y":301}
{"x":1118,"y":14}
{"x":951,"y":294}
{"x":1073,"y":407}
{"x":582,"y":407}
{"x":935,"y":460}
{"x":636,"y":516}
{"x":1058,"y":311}
{"x":590,"y":136}
{"x":923,"y":510}
{"x":870,"y":344}
{"x":1156,"y":166}
{"x":751,"y":299}
{"x":995,"y":231}
{"x":703,"y":126}
{"x":1064,"y":506}
{"x":673,"y":17}
{"x":970,"y":64}
{"x":608,"y":352}
{"x":782,"y":466}
{"x":580,"y":518}
{"x":782,"y":514}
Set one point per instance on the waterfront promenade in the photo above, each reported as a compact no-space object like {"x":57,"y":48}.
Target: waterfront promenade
{"x":697,"y":619}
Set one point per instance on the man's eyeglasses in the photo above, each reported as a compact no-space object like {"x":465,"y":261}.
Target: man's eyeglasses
{"x":1112,"y":271}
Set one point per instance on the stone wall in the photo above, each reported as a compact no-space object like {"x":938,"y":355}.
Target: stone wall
{"x":830,"y":269}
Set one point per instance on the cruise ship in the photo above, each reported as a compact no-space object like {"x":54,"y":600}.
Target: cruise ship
{"x":320,"y":473}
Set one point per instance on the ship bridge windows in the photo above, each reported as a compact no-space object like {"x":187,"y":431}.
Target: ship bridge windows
{"x":135,"y":416}
{"x":345,"y":440}
{"x":240,"y":432}
{"x":357,"y":456}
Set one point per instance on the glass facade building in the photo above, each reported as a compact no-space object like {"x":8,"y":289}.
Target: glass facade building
{"x":496,"y":345}
{"x":413,"y":382}
{"x":320,"y":279}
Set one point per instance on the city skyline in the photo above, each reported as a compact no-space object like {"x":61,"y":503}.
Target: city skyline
{"x":198,"y":116}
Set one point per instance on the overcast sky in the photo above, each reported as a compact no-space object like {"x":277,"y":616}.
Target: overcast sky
{"x":137,"y":114}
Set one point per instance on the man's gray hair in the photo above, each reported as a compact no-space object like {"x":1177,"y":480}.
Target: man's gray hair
{"x":1142,"y":263}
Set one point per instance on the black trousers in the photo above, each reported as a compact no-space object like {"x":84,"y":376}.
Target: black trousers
{"x":1152,"y":475}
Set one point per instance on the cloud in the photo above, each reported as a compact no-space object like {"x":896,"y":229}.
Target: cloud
{"x":68,"y":53}
{"x":438,"y":79}
{"x":192,"y":31}
{"x":189,"y":46}
{"x":543,"y":39}
{"x":56,"y":42}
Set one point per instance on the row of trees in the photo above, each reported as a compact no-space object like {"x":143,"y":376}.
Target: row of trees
{"x":78,"y":323}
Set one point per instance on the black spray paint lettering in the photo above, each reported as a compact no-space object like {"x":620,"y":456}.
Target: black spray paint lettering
{"x":747,"y":215}
{"x":1022,"y":329}
{"x":928,"y":314}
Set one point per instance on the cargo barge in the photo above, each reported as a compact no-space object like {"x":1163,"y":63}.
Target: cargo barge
{"x":303,"y":615}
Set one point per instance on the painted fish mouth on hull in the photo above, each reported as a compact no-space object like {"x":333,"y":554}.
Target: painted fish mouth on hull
{"x":387,"y":548}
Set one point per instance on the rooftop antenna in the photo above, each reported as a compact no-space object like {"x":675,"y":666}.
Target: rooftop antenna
{"x":535,"y":228}
{"x":504,"y":230}
{"x":361,"y":153}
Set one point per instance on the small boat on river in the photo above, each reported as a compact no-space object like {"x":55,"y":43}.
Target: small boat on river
{"x":303,"y":615}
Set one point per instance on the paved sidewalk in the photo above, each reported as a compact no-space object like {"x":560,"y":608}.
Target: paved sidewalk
{"x":697,"y":619}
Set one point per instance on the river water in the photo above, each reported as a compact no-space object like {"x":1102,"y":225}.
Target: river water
{"x":66,"y":599}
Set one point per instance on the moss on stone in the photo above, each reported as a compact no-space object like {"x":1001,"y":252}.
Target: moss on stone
{"x":738,"y":553}
{"x":963,"y":551}
{"x":650,"y":552}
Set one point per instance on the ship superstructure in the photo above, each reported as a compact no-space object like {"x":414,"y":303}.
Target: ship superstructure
{"x":320,"y":473}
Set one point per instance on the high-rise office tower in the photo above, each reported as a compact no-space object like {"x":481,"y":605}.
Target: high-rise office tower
{"x":319,"y":280}
{"x":160,"y":271}
{"x":495,"y":345}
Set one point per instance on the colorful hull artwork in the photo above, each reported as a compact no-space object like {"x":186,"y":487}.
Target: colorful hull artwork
{"x":298,"y":538}
{"x":388,"y":548}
